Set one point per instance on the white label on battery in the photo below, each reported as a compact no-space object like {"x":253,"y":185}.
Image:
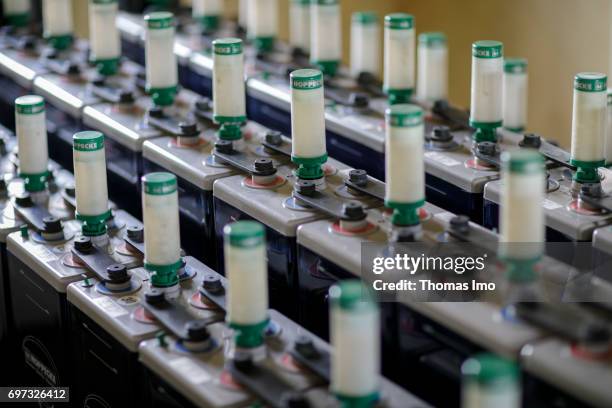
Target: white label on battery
{"x":110,"y":307}
{"x":361,"y":123}
{"x":442,"y":159}
{"x":191,"y":370}
{"x":550,"y":205}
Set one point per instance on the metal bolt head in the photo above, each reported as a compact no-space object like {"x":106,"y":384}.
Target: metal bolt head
{"x":486,"y":148}
{"x":203,"y":104}
{"x":305,"y":346}
{"x":155,"y":296}
{"x":243,"y":361}
{"x":224,"y":146}
{"x":212,"y":284}
{"x":52,"y":224}
{"x":353,"y":211}
{"x":359,"y":100}
{"x":73,"y":69}
{"x":264,"y":167}
{"x":274,"y":138}
{"x":126,"y":96}
{"x":117,"y":273}
{"x":531,"y":140}
{"x":294,"y":400}
{"x":24,"y":200}
{"x":70,"y":190}
{"x":156,"y":112}
{"x":197,"y":330}
{"x":189,"y":129}
{"x":305,"y":187}
{"x":460,"y":224}
{"x":441,"y":134}
{"x":358,"y":177}
{"x":136,"y":233}
{"x":83,"y":244}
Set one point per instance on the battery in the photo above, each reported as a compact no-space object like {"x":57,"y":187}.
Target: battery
{"x":573,"y":374}
{"x":196,"y":170}
{"x":68,"y":95}
{"x":564,"y":222}
{"x":108,"y":326}
{"x":40,"y":269}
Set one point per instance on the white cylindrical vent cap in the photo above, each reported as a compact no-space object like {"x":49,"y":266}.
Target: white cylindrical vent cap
{"x":487,"y":84}
{"x":247,"y":271}
{"x":229,"y":99}
{"x":307,"y":114}
{"x":160,"y":211}
{"x":104,"y":40}
{"x":355,"y":339}
{"x":432,"y":80}
{"x":521,"y":221}
{"x":31,"y":130}
{"x":405,"y":169}
{"x":515,"y":94}
{"x":589,"y":124}
{"x":90,"y":173}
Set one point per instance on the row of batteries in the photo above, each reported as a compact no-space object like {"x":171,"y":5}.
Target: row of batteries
{"x":99,"y":301}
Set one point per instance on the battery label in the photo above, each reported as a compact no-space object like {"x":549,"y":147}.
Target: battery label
{"x":110,"y":307}
{"x":550,"y":205}
{"x":442,"y":159}
{"x":191,"y":370}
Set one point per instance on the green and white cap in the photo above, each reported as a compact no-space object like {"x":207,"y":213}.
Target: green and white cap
{"x":404,"y":116}
{"x":245,"y":234}
{"x":364,"y":17}
{"x":325,"y":2}
{"x":591,"y":82}
{"x":487,"y":49}
{"x":88,"y":141}
{"x":609,"y":96}
{"x":159,"y":183}
{"x":306,"y":79}
{"x":523,"y":161}
{"x":399,"y":21}
{"x":351,"y":295}
{"x":227,"y":46}
{"x":16,"y":12}
{"x":515,"y":65}
{"x":29,"y":105}
{"x":432,"y":39}
{"x":159,"y":20}
{"x":490,"y":370}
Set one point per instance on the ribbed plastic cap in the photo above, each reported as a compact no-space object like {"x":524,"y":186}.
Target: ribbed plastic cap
{"x":227,"y":46}
{"x":399,"y":21}
{"x":591,"y":82}
{"x":488,"y":368}
{"x":433,"y":39}
{"x":159,"y":183}
{"x":29,"y":104}
{"x":351,"y":295}
{"x":306,"y":79}
{"x":487,"y":49}
{"x":515,"y":65}
{"x":364,"y":17}
{"x":244,"y":234}
{"x":159,"y":20}
{"x":88,"y":141}
{"x":525,"y":161}
{"x":404,"y":115}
